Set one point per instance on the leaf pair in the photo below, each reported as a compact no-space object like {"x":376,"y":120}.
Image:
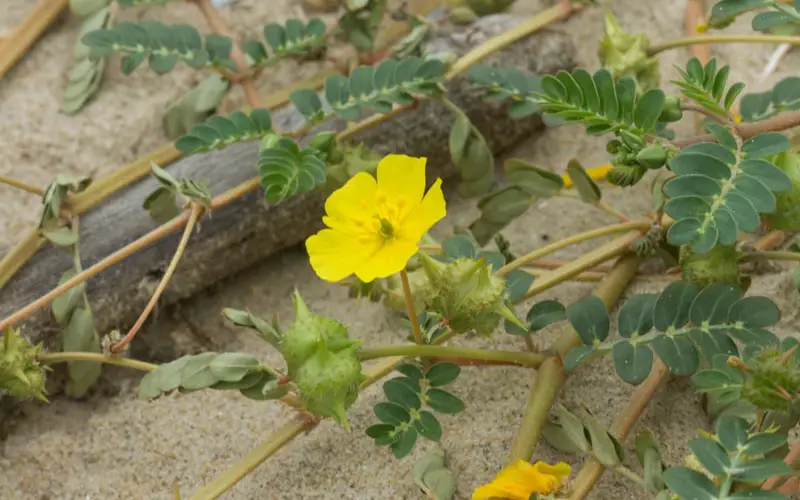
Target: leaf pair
{"x":162,"y":205}
{"x":679,"y":324}
{"x":784,"y":96}
{"x":220,"y":131}
{"x":402,"y":417}
{"x":86,"y":74}
{"x":586,"y":434}
{"x":508,"y":83}
{"x":225,"y":371}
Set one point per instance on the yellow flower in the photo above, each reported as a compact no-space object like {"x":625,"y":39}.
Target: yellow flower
{"x":374,"y":226}
{"x":521,"y":479}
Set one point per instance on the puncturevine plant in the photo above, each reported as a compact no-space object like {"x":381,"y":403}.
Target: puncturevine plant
{"x":711,"y":193}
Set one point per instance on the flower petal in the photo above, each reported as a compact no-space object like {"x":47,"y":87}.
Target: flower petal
{"x":391,"y":258}
{"x":402,"y":176}
{"x":496,"y":489}
{"x":335,"y":255}
{"x":352,"y":202}
{"x":425,"y":215}
{"x":560,"y":470}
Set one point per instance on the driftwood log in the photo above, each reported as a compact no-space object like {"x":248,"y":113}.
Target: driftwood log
{"x":246,"y":231}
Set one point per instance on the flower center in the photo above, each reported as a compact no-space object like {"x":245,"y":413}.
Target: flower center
{"x":386,"y":229}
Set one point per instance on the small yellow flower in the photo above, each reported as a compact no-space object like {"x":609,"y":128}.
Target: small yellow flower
{"x":374,"y":226}
{"x":521,"y":479}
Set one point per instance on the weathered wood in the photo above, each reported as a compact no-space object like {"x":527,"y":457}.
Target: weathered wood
{"x":240,"y":234}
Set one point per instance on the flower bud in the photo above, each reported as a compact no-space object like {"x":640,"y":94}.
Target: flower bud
{"x":671,"y":112}
{"x":652,"y":157}
{"x":718,"y":265}
{"x":328,"y":383}
{"x":21,"y":375}
{"x":467,"y":294}
{"x":613,"y":146}
{"x":625,"y":175}
{"x":308,"y":332}
{"x":786,"y":216}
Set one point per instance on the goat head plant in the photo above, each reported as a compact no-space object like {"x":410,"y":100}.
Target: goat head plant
{"x":708,"y":192}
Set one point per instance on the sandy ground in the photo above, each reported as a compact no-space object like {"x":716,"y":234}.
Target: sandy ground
{"x":120,"y":447}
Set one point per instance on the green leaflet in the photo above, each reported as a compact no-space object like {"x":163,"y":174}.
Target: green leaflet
{"x":706,"y":85}
{"x":294,"y":38}
{"x":784,"y":96}
{"x":86,"y":74}
{"x":286,"y":170}
{"x":220,"y":131}
{"x":195,"y":106}
{"x":718,"y":191}
{"x":161,"y":45}
{"x":378,"y":88}
{"x":681,"y":325}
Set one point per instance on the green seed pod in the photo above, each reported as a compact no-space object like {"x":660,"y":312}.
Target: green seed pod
{"x":632,"y":141}
{"x":625,"y":175}
{"x":396,"y":300}
{"x":308,"y":332}
{"x":652,"y":157}
{"x":328,"y":383}
{"x":719,"y":265}
{"x":624,"y":54}
{"x":787,"y":213}
{"x":671,"y":112}
{"x":467,"y":294}
{"x":21,"y":375}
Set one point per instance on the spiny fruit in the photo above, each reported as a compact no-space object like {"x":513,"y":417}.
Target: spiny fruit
{"x":467,"y":294}
{"x":323,"y":363}
{"x":718,"y":265}
{"x":21,"y":375}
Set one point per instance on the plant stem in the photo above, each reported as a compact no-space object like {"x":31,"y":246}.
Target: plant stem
{"x":23,"y":36}
{"x":694,"y":15}
{"x":692,"y":40}
{"x":412,"y":312}
{"x":19,"y":255}
{"x":589,"y":276}
{"x":777,"y":123}
{"x":162,"y":285}
{"x":592,"y":470}
{"x":605,"y":207}
{"x":705,"y":112}
{"x":773,"y":255}
{"x":256,"y":457}
{"x":790,"y":458}
{"x":572,"y":240}
{"x":606,"y":252}
{"x":63,"y":357}
{"x":534,"y":360}
{"x":218,"y":25}
{"x":550,"y":377}
{"x":626,"y":472}
{"x":4,"y":179}
{"x":558,"y":12}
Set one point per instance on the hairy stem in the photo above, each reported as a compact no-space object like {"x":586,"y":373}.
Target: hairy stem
{"x":412,"y":311}
{"x":778,"y":123}
{"x":627,"y":473}
{"x":64,"y":357}
{"x":162,"y":285}
{"x":548,"y":380}
{"x":692,"y":40}
{"x":22,"y":37}
{"x":534,"y":360}
{"x":592,"y":470}
{"x":774,"y":255}
{"x":572,"y":240}
{"x":605,"y":207}
{"x":16,"y":183}
{"x":710,"y":114}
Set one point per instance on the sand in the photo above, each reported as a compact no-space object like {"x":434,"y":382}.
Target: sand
{"x":116,"y":446}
